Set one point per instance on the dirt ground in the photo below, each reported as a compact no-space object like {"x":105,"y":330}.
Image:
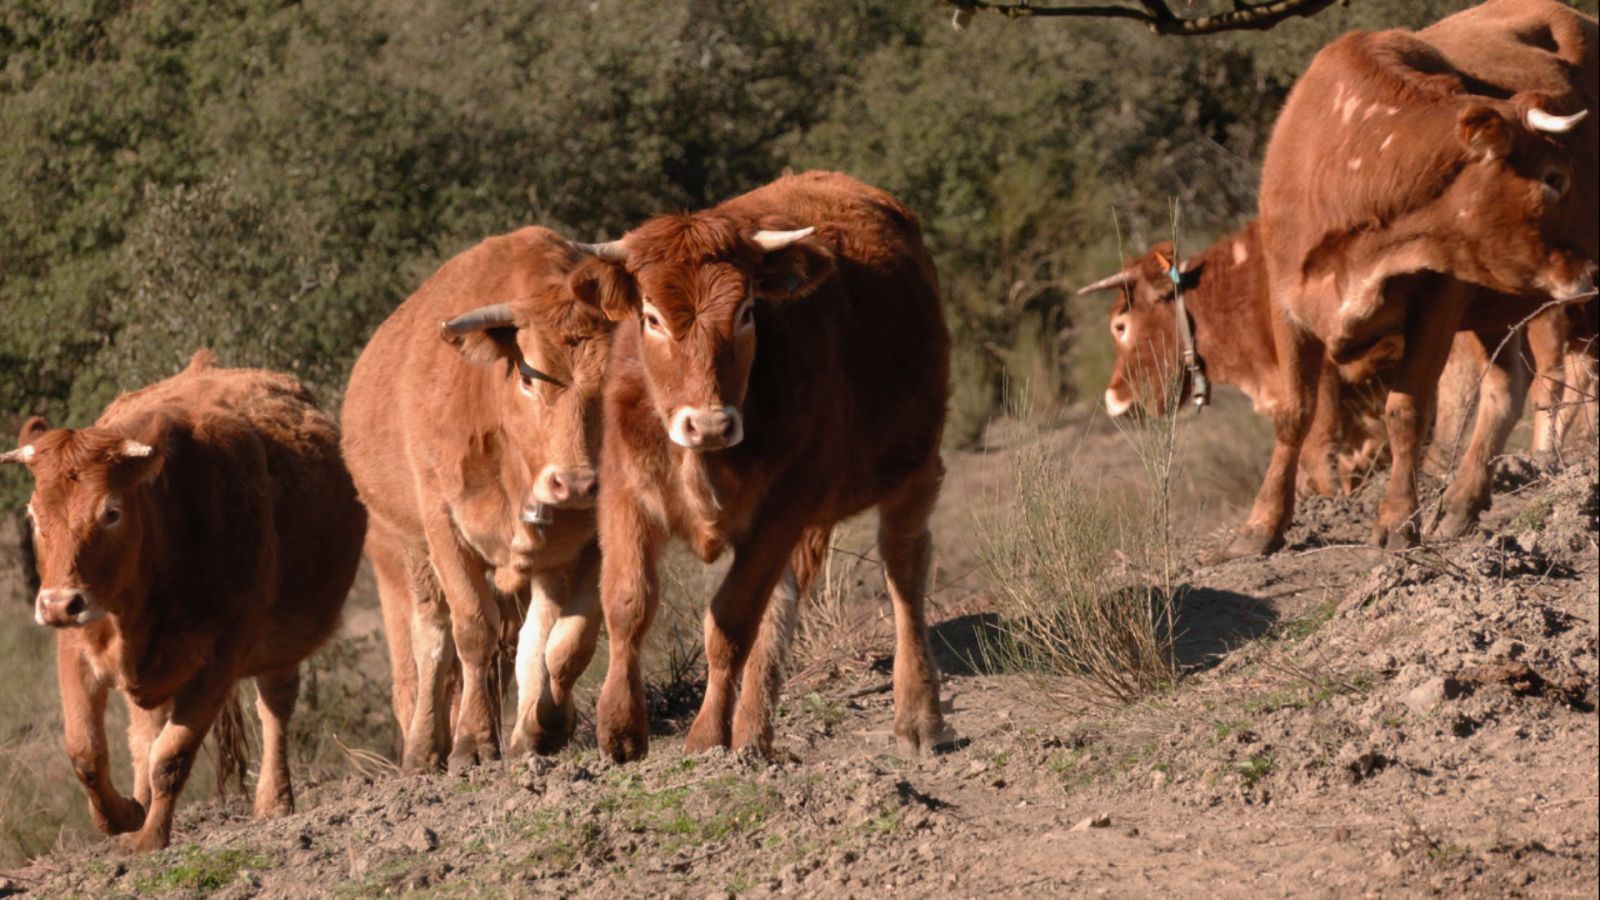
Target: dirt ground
{"x":1354,"y":722}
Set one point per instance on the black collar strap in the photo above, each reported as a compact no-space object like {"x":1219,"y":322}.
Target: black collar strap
{"x":1199,"y":387}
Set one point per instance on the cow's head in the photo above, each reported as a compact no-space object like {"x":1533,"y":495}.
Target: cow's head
{"x":89,"y":512}
{"x":696,"y":285}
{"x":1144,"y":327}
{"x":1519,"y":217}
{"x":550,"y":350}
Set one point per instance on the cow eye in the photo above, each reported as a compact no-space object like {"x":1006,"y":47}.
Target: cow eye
{"x":1555,"y":181}
{"x":747,"y":315}
{"x":110,"y":516}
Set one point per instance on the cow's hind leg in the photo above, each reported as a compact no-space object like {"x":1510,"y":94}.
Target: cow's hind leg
{"x":1430,"y":330}
{"x":1498,"y":402}
{"x":732,"y":623}
{"x":556,"y":644}
{"x":767,"y":668}
{"x":275,"y":699}
{"x":393,"y":575}
{"x":907,"y":549}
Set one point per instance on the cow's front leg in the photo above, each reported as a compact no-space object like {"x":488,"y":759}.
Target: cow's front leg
{"x":83,"y":710}
{"x":732,"y":622}
{"x":1301,"y":358}
{"x":143,"y":726}
{"x":1430,"y":332}
{"x":475,"y":628}
{"x":630,"y":590}
{"x":173,"y":753}
{"x":556,"y":644}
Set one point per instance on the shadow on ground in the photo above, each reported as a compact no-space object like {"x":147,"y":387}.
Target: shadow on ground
{"x":1213,"y":622}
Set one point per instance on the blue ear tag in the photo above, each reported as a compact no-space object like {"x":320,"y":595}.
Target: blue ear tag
{"x":794,"y":283}
{"x":1174,"y":274}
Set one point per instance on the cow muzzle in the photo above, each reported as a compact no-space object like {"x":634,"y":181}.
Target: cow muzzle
{"x":1117,"y":406}
{"x":1580,"y":288}
{"x":699,"y":428}
{"x":570,"y":487}
{"x":65,"y":608}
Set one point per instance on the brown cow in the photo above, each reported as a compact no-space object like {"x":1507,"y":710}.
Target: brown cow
{"x":474,"y":455}
{"x":1397,"y":186}
{"x":203,"y":530}
{"x":1225,"y":295}
{"x":785,"y":366}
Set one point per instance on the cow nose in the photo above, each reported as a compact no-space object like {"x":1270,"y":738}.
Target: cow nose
{"x":698,"y":428}
{"x":568,"y":487}
{"x":60,"y":608}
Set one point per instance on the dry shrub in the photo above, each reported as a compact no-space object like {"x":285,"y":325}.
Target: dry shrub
{"x":1084,"y":574}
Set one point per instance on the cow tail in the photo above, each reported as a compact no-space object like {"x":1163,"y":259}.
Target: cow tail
{"x":231,"y":743}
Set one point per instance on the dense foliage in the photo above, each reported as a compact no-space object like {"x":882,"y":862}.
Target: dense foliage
{"x":270,"y":177}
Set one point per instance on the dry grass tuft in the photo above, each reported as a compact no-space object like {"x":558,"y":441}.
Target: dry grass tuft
{"x":1085,"y":576}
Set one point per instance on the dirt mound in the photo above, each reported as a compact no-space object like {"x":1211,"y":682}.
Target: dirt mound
{"x":1359,"y":721}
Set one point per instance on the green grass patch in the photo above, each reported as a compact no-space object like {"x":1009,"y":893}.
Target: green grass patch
{"x":1257,"y":767}
{"x":196,"y":869}
{"x":1307,"y":625}
{"x":822,"y":709}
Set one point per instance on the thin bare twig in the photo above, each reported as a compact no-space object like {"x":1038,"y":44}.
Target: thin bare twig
{"x":1155,"y":14}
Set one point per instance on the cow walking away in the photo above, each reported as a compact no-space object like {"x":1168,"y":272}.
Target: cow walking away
{"x":470,"y":424}
{"x":783,"y":365}
{"x":203,"y":530}
{"x":1416,"y":185}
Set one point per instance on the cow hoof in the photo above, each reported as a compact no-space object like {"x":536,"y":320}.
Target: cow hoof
{"x":127,"y":815}
{"x":1455,"y":525}
{"x":620,"y":726}
{"x":623,"y":745}
{"x":1395,"y":538}
{"x":540,"y":741}
{"x":1246,"y":544}
{"x":142,"y":842}
{"x":705,"y":734}
{"x":923,"y":737}
{"x":471,"y":753}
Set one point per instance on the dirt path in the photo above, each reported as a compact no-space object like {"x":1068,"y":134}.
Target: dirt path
{"x":1357,"y":723}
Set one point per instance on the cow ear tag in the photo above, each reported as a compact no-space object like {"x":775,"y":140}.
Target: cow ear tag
{"x":537,"y":514}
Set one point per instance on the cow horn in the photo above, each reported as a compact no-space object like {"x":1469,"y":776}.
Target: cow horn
{"x":497,"y":315}
{"x":134,"y":450}
{"x":22,"y":454}
{"x":1539,"y":120}
{"x":777,"y":240}
{"x":1117,"y":280}
{"x":612,"y":250}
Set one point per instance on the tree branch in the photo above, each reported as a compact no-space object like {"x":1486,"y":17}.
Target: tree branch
{"x":1155,"y":14}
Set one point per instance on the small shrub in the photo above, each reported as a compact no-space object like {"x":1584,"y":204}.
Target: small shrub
{"x":1084,"y":577}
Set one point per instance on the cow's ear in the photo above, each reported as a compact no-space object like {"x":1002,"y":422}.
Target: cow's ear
{"x":140,"y":461}
{"x":483,"y":335}
{"x":794,"y":270}
{"x":1484,"y":132}
{"x":607,"y":286}
{"x":32,"y":430}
